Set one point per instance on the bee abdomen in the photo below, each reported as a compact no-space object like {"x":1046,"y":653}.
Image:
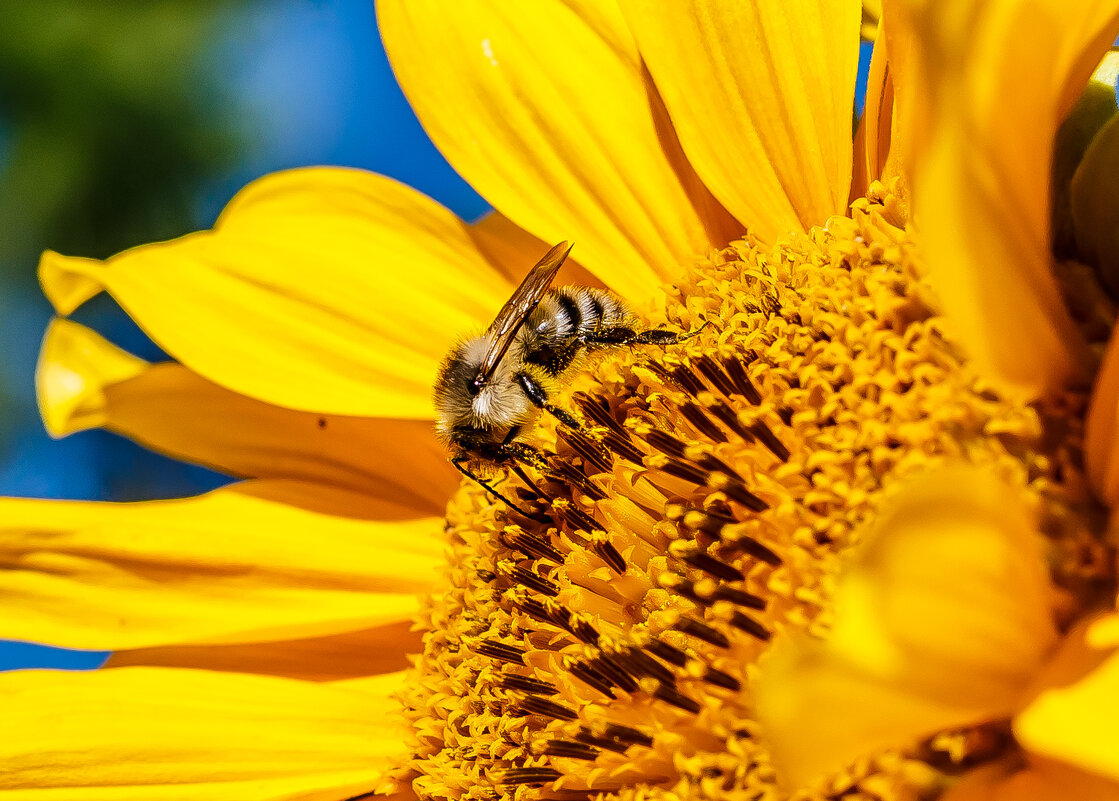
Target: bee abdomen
{"x":593,"y":310}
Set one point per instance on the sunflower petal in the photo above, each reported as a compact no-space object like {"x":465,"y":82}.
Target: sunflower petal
{"x":157,"y":734}
{"x":1001,"y":76}
{"x":942,"y":621}
{"x":84,"y":381}
{"x":322,"y":289}
{"x":335,"y":657}
{"x":1077,"y":722}
{"x":258,"y":561}
{"x":512,"y":251}
{"x":767,"y":128}
{"x":1041,"y":780}
{"x":545,"y":111}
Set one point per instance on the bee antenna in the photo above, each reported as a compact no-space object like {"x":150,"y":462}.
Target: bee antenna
{"x":458,"y":463}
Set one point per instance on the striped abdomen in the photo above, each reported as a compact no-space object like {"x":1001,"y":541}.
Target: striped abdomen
{"x":568,"y":321}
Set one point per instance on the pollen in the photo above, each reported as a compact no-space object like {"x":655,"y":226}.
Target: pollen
{"x":604,"y":641}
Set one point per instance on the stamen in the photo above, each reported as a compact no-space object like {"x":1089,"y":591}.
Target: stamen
{"x":513,"y":681}
{"x":702,"y":631}
{"x":602,"y":643}
{"x":535,"y":705}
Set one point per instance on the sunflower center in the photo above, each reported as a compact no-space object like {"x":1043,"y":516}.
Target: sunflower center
{"x":606,"y":643}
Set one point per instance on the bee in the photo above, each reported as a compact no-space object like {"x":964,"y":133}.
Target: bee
{"x":491,"y":386}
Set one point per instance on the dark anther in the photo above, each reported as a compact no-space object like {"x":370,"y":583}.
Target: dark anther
{"x":577,"y":518}
{"x":584,"y":736}
{"x":592,"y":452}
{"x":710,"y":461}
{"x":617,"y":438}
{"x":767,"y":438}
{"x":500,"y":651}
{"x":598,"y":410}
{"x":609,"y":667}
{"x":570,"y":749}
{"x":512,"y":681}
{"x":627,"y":734}
{"x":752,"y":547}
{"x":528,"y":543}
{"x":738,"y":492}
{"x":665,"y":443}
{"x":727,"y":417}
{"x":534,"y":705}
{"x":669,"y":653}
{"x":564,"y":471}
{"x":741,"y":381}
{"x":623,"y":447}
{"x":739,"y":597}
{"x":685,"y":470}
{"x":673,"y":696}
{"x":641,"y":663}
{"x":592,"y":677}
{"x":679,"y":584}
{"x":534,"y":581}
{"x":721,"y":679}
{"x":702,"y":631}
{"x":687,"y":379}
{"x":713,"y":373}
{"x":695,"y":415}
{"x":583,"y":629}
{"x":705,"y":520}
{"x":711,"y":565}
{"x":528,"y":776}
{"x":609,"y":554}
{"x":750,"y":626}
{"x":486,"y":575}
{"x":534,"y":608}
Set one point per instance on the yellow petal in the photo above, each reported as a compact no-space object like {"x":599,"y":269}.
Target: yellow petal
{"x":543,"y":108}
{"x":513,"y":251}
{"x":1040,"y":780}
{"x":157,"y":734}
{"x":894,"y":94}
{"x":84,"y":381}
{"x":258,"y":561}
{"x":1077,"y":722}
{"x":323,"y":289}
{"x":336,"y":657}
{"x":1001,"y":75}
{"x":941,"y":621}
{"x":761,"y":95}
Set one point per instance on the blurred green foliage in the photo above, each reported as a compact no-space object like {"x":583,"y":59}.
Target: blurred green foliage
{"x":111,"y":119}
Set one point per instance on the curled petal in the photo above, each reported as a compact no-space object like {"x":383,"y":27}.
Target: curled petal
{"x":1075,"y":717}
{"x":84,"y":382}
{"x":1001,"y":75}
{"x":322,"y":289}
{"x":941,"y":621}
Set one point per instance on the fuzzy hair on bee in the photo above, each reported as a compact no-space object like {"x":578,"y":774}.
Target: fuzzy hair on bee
{"x":493,"y":385}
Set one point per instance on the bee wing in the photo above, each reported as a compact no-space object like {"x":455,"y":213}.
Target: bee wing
{"x":519,"y":306}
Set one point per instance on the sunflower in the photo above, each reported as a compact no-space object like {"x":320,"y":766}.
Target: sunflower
{"x":613,"y":639}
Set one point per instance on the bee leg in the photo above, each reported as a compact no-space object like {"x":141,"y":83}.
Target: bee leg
{"x":624,"y":335}
{"x":535,"y":393}
{"x":459,"y":465}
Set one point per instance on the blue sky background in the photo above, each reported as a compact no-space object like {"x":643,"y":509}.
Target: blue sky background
{"x":313,"y":84}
